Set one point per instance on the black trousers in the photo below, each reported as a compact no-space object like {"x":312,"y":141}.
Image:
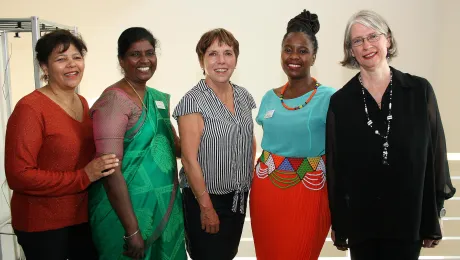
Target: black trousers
{"x":73,"y":243}
{"x":385,"y":249}
{"x":224,"y":244}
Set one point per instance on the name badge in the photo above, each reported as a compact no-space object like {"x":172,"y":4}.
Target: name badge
{"x":160,"y":104}
{"x":269,"y":113}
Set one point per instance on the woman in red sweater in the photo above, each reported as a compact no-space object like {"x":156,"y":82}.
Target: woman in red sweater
{"x":48,"y":157}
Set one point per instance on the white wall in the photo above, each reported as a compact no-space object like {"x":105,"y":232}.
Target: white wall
{"x":446,"y":66}
{"x":258,"y":25}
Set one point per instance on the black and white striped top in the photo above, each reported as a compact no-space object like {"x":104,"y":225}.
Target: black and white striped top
{"x":225,"y":152}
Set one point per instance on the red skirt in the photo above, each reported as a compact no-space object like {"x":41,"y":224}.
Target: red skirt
{"x":288,"y":223}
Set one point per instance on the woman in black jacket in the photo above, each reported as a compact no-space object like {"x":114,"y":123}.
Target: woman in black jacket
{"x":387,"y":170}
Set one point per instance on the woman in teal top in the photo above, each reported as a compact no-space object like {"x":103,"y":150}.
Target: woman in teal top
{"x":295,"y":133}
{"x":289,"y":205}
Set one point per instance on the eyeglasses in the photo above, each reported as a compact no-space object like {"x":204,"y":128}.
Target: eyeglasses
{"x":373,"y":37}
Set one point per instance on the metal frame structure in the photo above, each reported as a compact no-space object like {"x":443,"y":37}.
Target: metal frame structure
{"x":35,"y":26}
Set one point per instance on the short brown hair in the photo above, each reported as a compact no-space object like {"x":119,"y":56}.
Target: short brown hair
{"x":220,"y":34}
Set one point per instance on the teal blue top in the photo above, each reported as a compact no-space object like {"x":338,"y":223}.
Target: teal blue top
{"x":295,"y":133}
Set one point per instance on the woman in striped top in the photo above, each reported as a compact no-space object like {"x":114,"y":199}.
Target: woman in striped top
{"x":216,"y":130}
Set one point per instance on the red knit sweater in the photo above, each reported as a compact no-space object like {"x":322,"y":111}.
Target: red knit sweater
{"x":45,"y":153}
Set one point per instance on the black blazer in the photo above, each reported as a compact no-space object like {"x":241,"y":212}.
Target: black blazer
{"x":371,"y":200}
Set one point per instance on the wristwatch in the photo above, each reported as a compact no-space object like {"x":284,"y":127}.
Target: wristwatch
{"x":442,"y":212}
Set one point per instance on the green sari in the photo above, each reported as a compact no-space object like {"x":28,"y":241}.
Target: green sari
{"x":150,"y":171}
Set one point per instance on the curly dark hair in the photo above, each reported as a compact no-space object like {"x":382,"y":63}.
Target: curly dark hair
{"x":58,"y":39}
{"x":307,"y":23}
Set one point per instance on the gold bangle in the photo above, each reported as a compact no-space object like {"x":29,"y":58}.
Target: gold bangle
{"x":201,"y":195}
{"x":128,"y":237}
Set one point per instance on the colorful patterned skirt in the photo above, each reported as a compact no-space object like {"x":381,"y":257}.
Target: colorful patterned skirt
{"x":289,"y":207}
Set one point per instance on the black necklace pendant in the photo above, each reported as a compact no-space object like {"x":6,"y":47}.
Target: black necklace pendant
{"x":389,"y":118}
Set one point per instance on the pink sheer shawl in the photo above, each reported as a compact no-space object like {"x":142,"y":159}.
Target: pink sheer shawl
{"x":113,"y":114}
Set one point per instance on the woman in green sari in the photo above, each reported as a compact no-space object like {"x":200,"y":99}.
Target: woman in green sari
{"x":137,"y":212}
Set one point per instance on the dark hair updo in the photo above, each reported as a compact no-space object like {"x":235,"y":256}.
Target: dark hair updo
{"x":307,"y":23}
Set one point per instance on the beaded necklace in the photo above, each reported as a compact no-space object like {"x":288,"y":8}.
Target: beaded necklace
{"x":300,"y":106}
{"x":389,"y":118}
